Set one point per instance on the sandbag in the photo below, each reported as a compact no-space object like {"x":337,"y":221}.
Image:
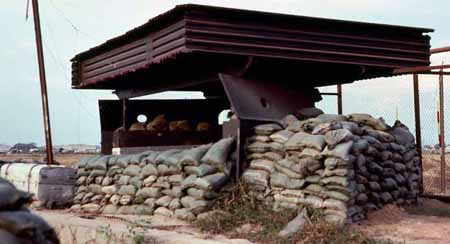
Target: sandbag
{"x":184,"y":214}
{"x":368,"y":120}
{"x":98,"y":163}
{"x":28,"y":226}
{"x":341,"y":151}
{"x":218,"y":153}
{"x":163,"y":156}
{"x":201,"y":170}
{"x":123,"y":161}
{"x":301,"y":139}
{"x":281,"y":136}
{"x":149,"y":192}
{"x":263,"y":164}
{"x":335,"y":137}
{"x":132,"y":170}
{"x":211,"y":182}
{"x":267,"y":129}
{"x":256,"y":177}
{"x":200,"y":194}
{"x":188,"y":182}
{"x":151,"y":158}
{"x":149,"y":170}
{"x":127,"y":190}
{"x":193,"y":156}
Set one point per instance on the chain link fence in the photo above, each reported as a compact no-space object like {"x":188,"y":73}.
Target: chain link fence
{"x":393,"y":99}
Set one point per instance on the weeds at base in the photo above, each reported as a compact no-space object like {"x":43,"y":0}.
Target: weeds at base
{"x":238,"y":208}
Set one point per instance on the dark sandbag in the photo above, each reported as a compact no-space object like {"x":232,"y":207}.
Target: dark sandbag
{"x":27,"y":225}
{"x":11,"y":198}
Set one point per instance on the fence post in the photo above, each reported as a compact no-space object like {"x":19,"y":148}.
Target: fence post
{"x":418,"y":126}
{"x":442,"y":130}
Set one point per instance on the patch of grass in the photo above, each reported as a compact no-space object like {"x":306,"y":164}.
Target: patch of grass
{"x":238,"y":208}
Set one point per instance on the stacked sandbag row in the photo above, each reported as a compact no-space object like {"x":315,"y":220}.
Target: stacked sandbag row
{"x":346,"y":165}
{"x":178,"y":183}
{"x":17,"y":224}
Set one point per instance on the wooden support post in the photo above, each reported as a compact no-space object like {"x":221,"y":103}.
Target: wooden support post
{"x":125,"y":122}
{"x":339,"y":98}
{"x":442,"y":131}
{"x":418,"y":126}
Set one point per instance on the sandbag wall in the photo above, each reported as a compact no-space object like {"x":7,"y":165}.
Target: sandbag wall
{"x":346,"y":165}
{"x":178,"y":183}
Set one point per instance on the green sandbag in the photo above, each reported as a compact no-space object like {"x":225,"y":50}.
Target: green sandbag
{"x":100,"y":163}
{"x":218,"y":153}
{"x":132,"y":170}
{"x":193,"y":156}
{"x":123,"y":161}
{"x":211,"y":182}
{"x":163,"y":156}
{"x":201,"y":170}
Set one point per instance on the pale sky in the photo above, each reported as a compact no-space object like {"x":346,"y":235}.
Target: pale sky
{"x":72,"y":26}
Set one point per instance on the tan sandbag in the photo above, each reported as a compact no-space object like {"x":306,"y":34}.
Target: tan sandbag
{"x":301,"y":140}
{"x":323,"y":128}
{"x":203,"y":126}
{"x":288,"y":172}
{"x":273,"y":156}
{"x":180,"y":126}
{"x":267,"y":129}
{"x":315,"y":189}
{"x":337,"y":180}
{"x":259,"y":138}
{"x":335,"y":204}
{"x":288,"y":120}
{"x":164,"y":201}
{"x":158,"y":124}
{"x":341,"y":151}
{"x":263,"y":164}
{"x":184,"y":214}
{"x":137,"y":126}
{"x":149,"y":180}
{"x":200,"y":194}
{"x":281,"y":136}
{"x":258,"y":147}
{"x":256,"y":177}
{"x":335,"y":137}
{"x":127,"y":190}
{"x":149,"y":192}
{"x":368,"y":120}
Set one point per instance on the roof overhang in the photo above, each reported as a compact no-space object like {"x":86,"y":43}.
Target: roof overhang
{"x":187,"y":47}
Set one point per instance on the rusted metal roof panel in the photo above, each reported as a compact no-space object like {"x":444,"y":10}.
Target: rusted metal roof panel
{"x":204,"y":29}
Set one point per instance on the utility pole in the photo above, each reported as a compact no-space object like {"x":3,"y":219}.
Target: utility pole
{"x":40,"y":54}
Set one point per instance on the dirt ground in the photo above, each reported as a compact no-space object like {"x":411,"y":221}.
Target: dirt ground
{"x":411,"y":225}
{"x":429,"y":222}
{"x":63,"y":159}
